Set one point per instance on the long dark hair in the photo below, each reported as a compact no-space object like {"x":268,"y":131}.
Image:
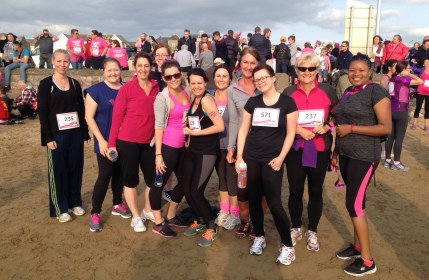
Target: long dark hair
{"x":400,"y":66}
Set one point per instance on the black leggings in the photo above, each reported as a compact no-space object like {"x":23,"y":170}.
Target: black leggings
{"x":399,"y":127}
{"x":296,"y":174}
{"x":173,"y":158}
{"x":356,"y":174}
{"x":226,"y":173}
{"x":196,"y":173}
{"x":107,"y":171}
{"x":263,"y":180}
{"x":419,"y":102}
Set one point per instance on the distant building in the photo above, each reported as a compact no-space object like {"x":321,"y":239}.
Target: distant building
{"x":171,"y":41}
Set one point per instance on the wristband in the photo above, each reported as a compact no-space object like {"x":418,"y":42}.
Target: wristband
{"x":158,"y":154}
{"x":331,"y":127}
{"x":351,"y":128}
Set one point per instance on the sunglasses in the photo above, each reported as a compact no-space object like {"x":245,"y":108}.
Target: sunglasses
{"x":310,"y":69}
{"x":175,"y":76}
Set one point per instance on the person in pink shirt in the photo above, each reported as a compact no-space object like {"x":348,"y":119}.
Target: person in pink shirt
{"x":75,"y":47}
{"x":98,"y":49}
{"x":423,"y":95}
{"x":395,"y":50}
{"x":119,"y":53}
{"x":132,"y":136}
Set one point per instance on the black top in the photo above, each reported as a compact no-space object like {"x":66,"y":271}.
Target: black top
{"x":157,"y":76}
{"x":206,"y":144}
{"x":264,"y":143}
{"x":53,"y":101}
{"x":358,"y":109}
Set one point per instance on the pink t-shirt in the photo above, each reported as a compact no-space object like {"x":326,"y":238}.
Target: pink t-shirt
{"x":423,"y":89}
{"x":98,"y":45}
{"x":75,"y":45}
{"x":120,"y":54}
{"x":173,"y":133}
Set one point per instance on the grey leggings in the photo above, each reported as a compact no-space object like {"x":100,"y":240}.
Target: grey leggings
{"x":395,"y":139}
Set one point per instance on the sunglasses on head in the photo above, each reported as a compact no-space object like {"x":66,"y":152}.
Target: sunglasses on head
{"x":310,"y":69}
{"x":175,"y":76}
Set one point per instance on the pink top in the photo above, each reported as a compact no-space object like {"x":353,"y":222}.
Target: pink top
{"x":120,"y":54}
{"x":133,"y":118}
{"x":98,"y":45}
{"x":423,"y":89}
{"x":173,"y":133}
{"x":75,"y":45}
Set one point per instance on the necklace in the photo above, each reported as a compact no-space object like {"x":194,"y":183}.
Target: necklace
{"x":61,"y":83}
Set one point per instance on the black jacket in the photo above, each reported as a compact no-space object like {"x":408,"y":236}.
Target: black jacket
{"x":190,"y":42}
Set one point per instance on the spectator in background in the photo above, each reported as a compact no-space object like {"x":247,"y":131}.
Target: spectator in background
{"x":282,"y":56}
{"x":205,"y":39}
{"x":293,"y":55}
{"x":336,"y":50}
{"x":187,"y":40}
{"x":20,"y":60}
{"x":395,"y":50}
{"x":185,"y":58}
{"x":318,"y":47}
{"x":232,"y":49}
{"x":88,"y":56}
{"x":307,"y":48}
{"x":211,"y":87}
{"x":119,"y":54}
{"x":220,"y":48}
{"x":8,"y":49}
{"x":258,"y":41}
{"x":268,"y":55}
{"x":423,"y":52}
{"x":142,"y":45}
{"x":343,"y":62}
{"x":412,"y":53}
{"x":206,"y":57}
{"x":45,"y":40}
{"x":26,"y":102}
{"x":152,"y":42}
{"x":162,"y":53}
{"x":99,"y":49}
{"x":76,"y":48}
{"x":377,"y":53}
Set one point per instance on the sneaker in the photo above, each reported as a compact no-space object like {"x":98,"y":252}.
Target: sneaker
{"x":208,"y":237}
{"x":387,"y":164}
{"x":295,"y":234}
{"x":231,"y":222}
{"x":348,"y":253}
{"x":358,"y":268}
{"x":166,"y":195}
{"x":121,"y":210}
{"x":312,"y":242}
{"x":78,"y":211}
{"x":138,"y":225}
{"x":94,"y":222}
{"x":221,"y":218}
{"x":195,"y":229}
{"x":383,"y":155}
{"x":176,"y":222}
{"x":147,"y":216}
{"x":258,"y":246}
{"x":413,"y":126}
{"x":400,"y":167}
{"x":164,"y":230}
{"x":287,"y":255}
{"x":64,"y":218}
{"x":244,"y":229}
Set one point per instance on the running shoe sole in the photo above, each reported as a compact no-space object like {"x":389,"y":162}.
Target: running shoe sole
{"x":160,"y":233}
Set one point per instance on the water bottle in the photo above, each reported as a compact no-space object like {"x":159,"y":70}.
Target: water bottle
{"x":242,"y":176}
{"x":159,"y":179}
{"x":113,"y":156}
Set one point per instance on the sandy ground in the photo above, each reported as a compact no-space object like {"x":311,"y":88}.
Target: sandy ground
{"x":34,"y":246}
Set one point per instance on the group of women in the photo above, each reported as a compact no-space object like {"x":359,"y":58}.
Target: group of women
{"x":191,"y":132}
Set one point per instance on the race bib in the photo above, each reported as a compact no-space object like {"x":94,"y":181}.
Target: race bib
{"x":426,"y":84}
{"x":95,"y":51}
{"x":194,"y":123}
{"x":268,"y":117}
{"x":310,"y":118}
{"x":67,"y":121}
{"x":221,"y":110}
{"x":78,"y":49}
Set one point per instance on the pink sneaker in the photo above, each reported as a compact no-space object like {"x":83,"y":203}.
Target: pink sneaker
{"x":121,"y":210}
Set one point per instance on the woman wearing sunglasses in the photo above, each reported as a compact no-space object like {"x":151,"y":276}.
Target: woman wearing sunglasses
{"x":171,"y":106}
{"x":265,"y":137}
{"x":310,"y":153}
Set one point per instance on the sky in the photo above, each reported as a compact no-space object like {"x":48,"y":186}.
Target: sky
{"x":308,"y":20}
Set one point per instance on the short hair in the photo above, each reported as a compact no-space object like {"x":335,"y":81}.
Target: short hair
{"x":266,"y":67}
{"x":424,"y":41}
{"x":230,"y":32}
{"x":17,"y":43}
{"x":116,"y":42}
{"x":63,"y":51}
{"x":291,"y":37}
{"x":111,"y":59}
{"x":216,"y":33}
{"x":160,"y":46}
{"x":204,"y":35}
{"x":346,"y":42}
{"x":45,"y":30}
{"x":389,"y":63}
{"x":325,"y":49}
{"x":310,"y":58}
{"x":252,"y":51}
{"x":197,"y":72}
{"x":307,"y":45}
{"x":257,"y":29}
{"x":223,"y":66}
{"x":398,"y":36}
{"x":186,"y":30}
{"x":169,"y":64}
{"x":74,"y":30}
{"x":142,"y":55}
{"x":266,"y":30}
{"x":96,"y":33}
{"x":184,"y":47}
{"x":249,"y":35}
{"x":361,"y":57}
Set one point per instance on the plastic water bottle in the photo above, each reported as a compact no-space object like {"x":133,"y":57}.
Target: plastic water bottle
{"x":159,"y":179}
{"x":242,"y":176}
{"x":113,"y":155}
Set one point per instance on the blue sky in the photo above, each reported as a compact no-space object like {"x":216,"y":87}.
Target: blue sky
{"x":308,"y":20}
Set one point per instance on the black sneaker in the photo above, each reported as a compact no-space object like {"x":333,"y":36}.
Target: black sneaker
{"x":164,"y":230}
{"x":348,"y":253}
{"x":357,"y":268}
{"x":176,"y":222}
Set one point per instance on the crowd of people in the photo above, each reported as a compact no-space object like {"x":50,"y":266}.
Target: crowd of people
{"x":160,"y":125}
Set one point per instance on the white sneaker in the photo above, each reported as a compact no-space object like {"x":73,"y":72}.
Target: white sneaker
{"x":221,"y":218}
{"x":287,"y":255}
{"x":383,"y":155}
{"x":64,"y":218}
{"x":78,"y":211}
{"x":231,"y":222}
{"x":147,"y":216}
{"x":258,"y":246}
{"x":312,"y":242}
{"x":138,"y":225}
{"x":295,"y":234}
